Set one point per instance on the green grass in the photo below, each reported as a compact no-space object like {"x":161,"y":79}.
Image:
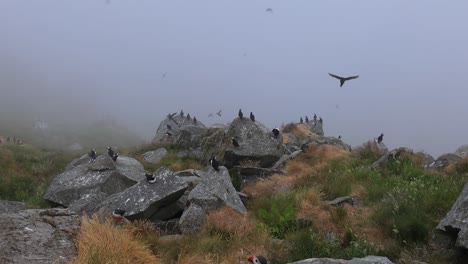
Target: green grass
{"x":26,"y":171}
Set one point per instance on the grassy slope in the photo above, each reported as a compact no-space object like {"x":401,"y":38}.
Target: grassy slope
{"x":402,"y":204}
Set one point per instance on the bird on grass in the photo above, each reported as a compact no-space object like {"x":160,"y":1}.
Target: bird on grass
{"x":257,"y":260}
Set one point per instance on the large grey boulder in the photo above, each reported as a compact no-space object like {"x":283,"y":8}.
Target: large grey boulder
{"x":212,"y":142}
{"x":11,"y":206}
{"x":444,"y":160}
{"x":214,"y":191}
{"x":91,"y":182}
{"x":365,"y":260}
{"x":143,"y":199}
{"x":155,"y":156}
{"x":183,"y":131}
{"x":38,"y":236}
{"x":462,"y":151}
{"x":322,"y":140}
{"x":257,"y":144}
{"x":391,"y":156}
{"x":316,"y":127}
{"x":455,"y":224}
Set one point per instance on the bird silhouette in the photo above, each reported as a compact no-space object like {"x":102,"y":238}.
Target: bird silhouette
{"x":219,"y":112}
{"x":343,"y":79}
{"x":269,"y":10}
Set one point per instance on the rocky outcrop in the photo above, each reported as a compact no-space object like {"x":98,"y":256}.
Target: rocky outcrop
{"x":462,"y":151}
{"x":454,"y":225}
{"x":155,"y":156}
{"x":92,"y":182}
{"x":38,"y":236}
{"x":365,"y":260}
{"x":444,"y":160}
{"x":214,"y":191}
{"x":143,"y":200}
{"x":176,"y":128}
{"x":257,"y":144}
{"x":393,"y":155}
{"x":316,"y":127}
{"x":282,"y":161}
{"x":212,"y":142}
{"x":321,"y":140}
{"x":11,"y":206}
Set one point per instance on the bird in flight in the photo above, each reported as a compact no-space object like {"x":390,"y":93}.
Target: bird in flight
{"x":343,"y":79}
{"x":219,"y":112}
{"x":269,"y":10}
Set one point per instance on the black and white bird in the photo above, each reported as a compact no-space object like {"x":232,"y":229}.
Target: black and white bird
{"x":339,"y":137}
{"x":307,"y":119}
{"x":380,"y":138}
{"x":320,"y":120}
{"x":252,"y":117}
{"x":275,"y":132}
{"x":214,"y":163}
{"x":110,"y":151}
{"x":194,"y":120}
{"x":19,"y":141}
{"x":150,"y":177}
{"x":188,"y":117}
{"x":118,"y":214}
{"x":240,"y":114}
{"x":115,"y":156}
{"x":181,"y":113}
{"x":343,"y":79}
{"x":92,"y":154}
{"x":301,"y":120}
{"x":234,"y":142}
{"x":257,"y":260}
{"x":315,"y":117}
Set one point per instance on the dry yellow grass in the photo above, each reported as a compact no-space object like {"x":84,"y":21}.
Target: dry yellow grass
{"x":229,"y":221}
{"x":104,"y":242}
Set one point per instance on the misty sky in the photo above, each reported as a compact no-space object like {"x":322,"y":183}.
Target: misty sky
{"x":90,"y":59}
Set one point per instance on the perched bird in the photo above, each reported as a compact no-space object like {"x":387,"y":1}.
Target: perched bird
{"x":343,"y":79}
{"x":214,"y":163}
{"x":315,"y":117}
{"x":240,"y":114}
{"x":92,"y":154}
{"x":269,"y":10}
{"x":307,"y":119}
{"x":118,"y":214}
{"x":19,"y":141}
{"x":380,"y":138}
{"x":275,"y":132}
{"x":115,"y":156}
{"x":252,"y":117}
{"x":320,"y":120}
{"x":339,"y":137}
{"x":181,"y":113}
{"x":110,"y":151}
{"x":188,"y":117}
{"x":9,"y":139}
{"x":234,"y":142}
{"x":257,"y":260}
{"x":301,"y":120}
{"x":150,"y":177}
{"x":194,"y":120}
{"x":219,"y":112}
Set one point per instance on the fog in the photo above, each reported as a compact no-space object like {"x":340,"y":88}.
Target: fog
{"x":136,"y":61}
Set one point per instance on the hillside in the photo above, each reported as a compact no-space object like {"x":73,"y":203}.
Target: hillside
{"x":390,"y":211}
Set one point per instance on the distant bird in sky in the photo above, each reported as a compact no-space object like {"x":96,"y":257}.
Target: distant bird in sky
{"x":219,"y":112}
{"x":210,"y":115}
{"x":163,"y":76}
{"x":343,"y":79}
{"x":269,"y":10}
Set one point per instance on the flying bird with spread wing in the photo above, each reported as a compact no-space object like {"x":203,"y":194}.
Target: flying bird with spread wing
{"x":343,"y":79}
{"x":219,"y":112}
